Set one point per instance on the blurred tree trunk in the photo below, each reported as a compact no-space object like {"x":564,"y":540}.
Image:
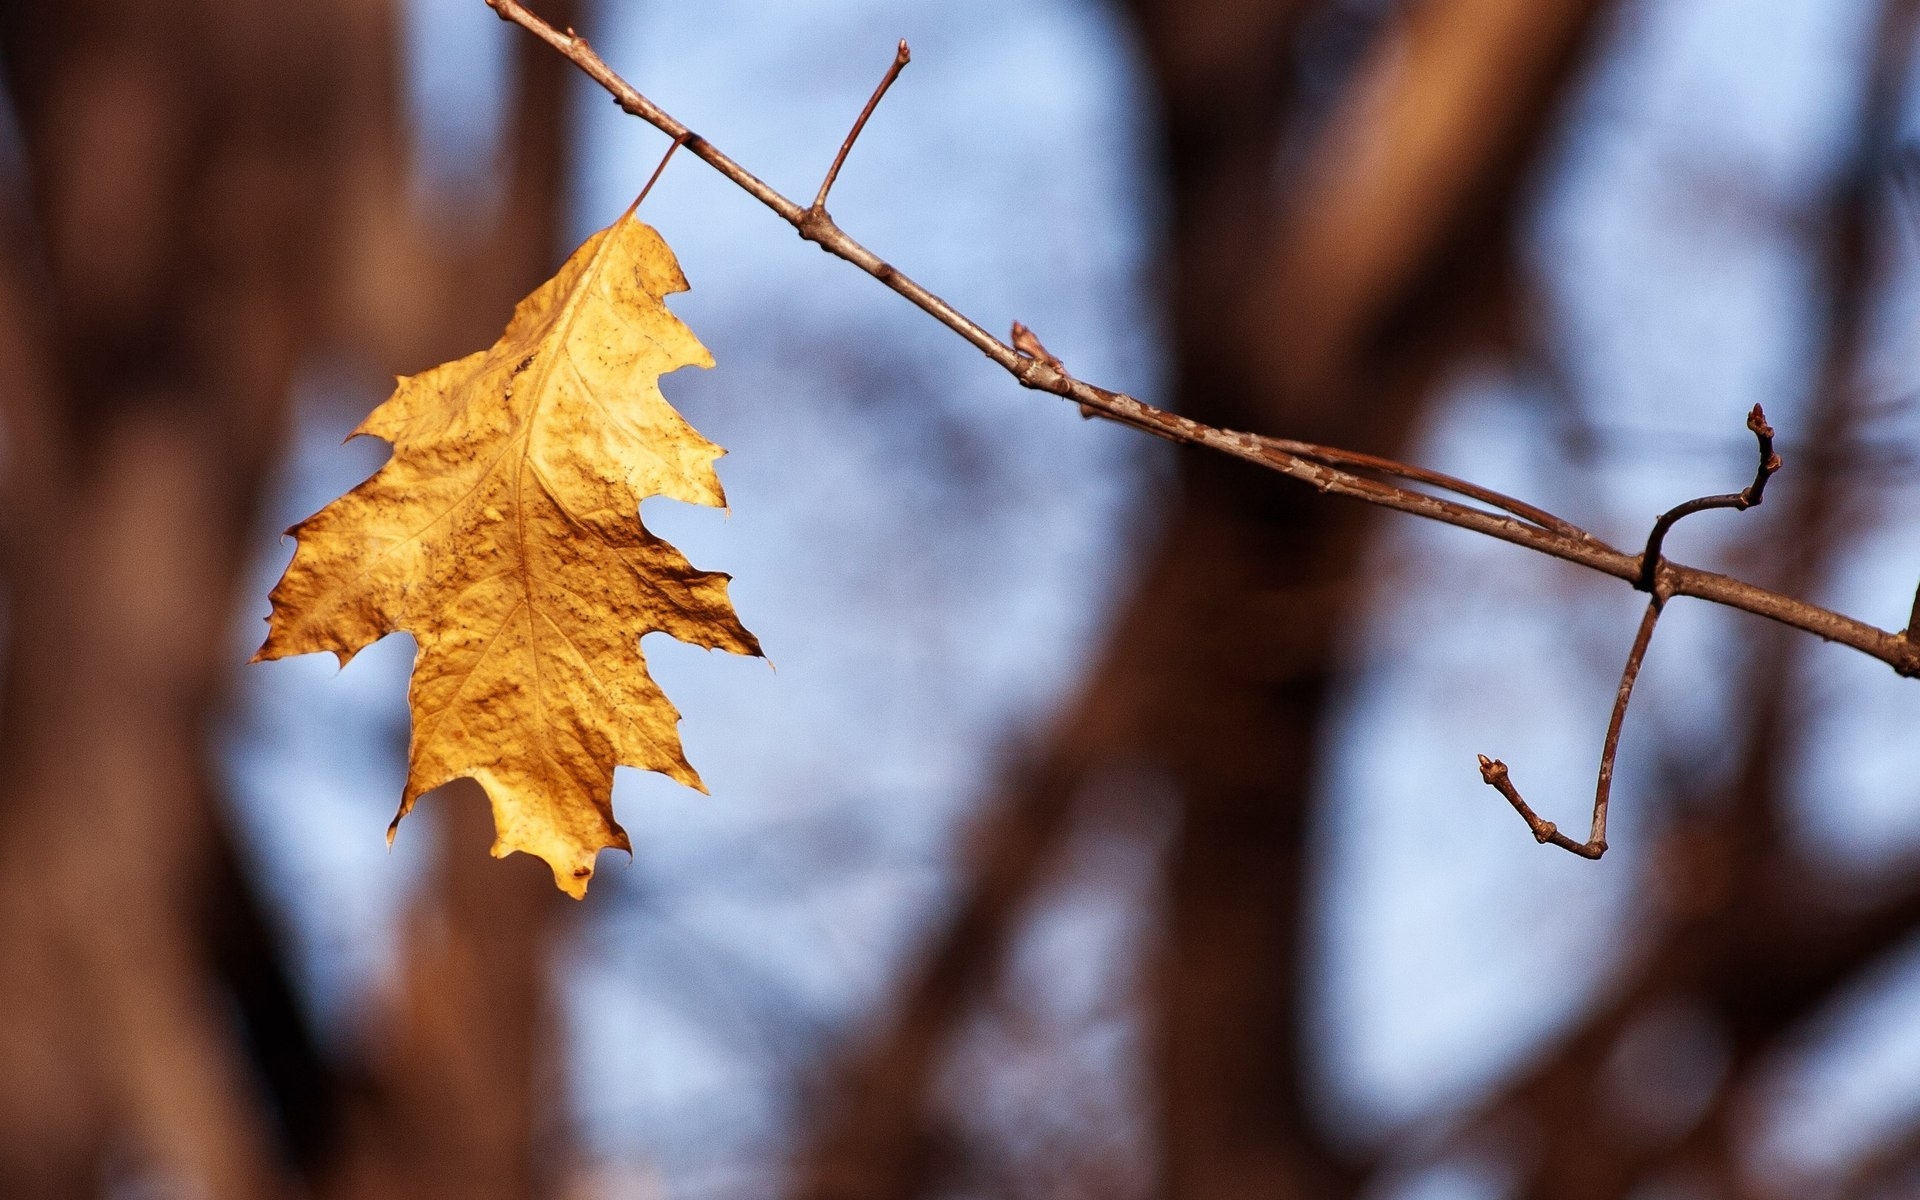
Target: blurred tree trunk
{"x":205,"y":191}
{"x":1390,"y":260}
{"x":1329,"y":316}
{"x":157,"y":295}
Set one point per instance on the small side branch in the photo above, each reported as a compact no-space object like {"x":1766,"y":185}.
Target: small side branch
{"x":1913,"y":622}
{"x":901,"y":58}
{"x":1494,"y":772}
{"x":1451,"y":483}
{"x":1739,"y":501}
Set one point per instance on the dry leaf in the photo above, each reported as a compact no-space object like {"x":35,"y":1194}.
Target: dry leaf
{"x":504,"y":534}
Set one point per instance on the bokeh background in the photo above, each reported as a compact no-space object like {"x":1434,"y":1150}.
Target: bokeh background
{"x":1110,"y":827}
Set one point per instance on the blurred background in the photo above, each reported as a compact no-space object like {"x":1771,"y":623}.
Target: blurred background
{"x":1111,"y":827}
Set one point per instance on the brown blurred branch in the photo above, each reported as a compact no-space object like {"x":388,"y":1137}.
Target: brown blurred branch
{"x":154,"y":309}
{"x":1266,"y":573}
{"x":1432,"y":133}
{"x":878,"y":1139}
{"x":1884,"y":1170}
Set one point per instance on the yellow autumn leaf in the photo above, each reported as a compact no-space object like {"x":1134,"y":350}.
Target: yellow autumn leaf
{"x":504,"y":534}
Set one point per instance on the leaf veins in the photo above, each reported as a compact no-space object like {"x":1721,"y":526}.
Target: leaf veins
{"x":504,"y":535}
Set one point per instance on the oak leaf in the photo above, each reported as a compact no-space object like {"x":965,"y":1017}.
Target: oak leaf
{"x":504,"y":534}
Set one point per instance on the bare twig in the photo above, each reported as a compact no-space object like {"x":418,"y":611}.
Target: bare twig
{"x":1458,"y":486}
{"x":1913,"y":622}
{"x":901,"y":58}
{"x":1739,"y":501}
{"x":1495,"y":772}
{"x":816,"y":226}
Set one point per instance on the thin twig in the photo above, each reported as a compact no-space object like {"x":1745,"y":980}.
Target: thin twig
{"x":1913,"y":622}
{"x":901,"y":58}
{"x":1494,"y":772}
{"x":1454,"y":484}
{"x":1739,"y":501}
{"x":816,"y":226}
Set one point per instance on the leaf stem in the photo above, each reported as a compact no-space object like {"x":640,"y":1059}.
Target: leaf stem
{"x":654,"y":178}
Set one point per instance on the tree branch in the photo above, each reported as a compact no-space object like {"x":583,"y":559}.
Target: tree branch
{"x":1296,"y":460}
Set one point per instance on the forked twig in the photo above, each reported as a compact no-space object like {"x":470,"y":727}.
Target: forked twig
{"x":1494,"y":772}
{"x":901,"y":58}
{"x":1319,"y":466}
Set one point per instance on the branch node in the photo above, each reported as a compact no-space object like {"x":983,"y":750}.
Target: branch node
{"x":812,"y":226}
{"x":901,"y":58}
{"x":1027,"y":345}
